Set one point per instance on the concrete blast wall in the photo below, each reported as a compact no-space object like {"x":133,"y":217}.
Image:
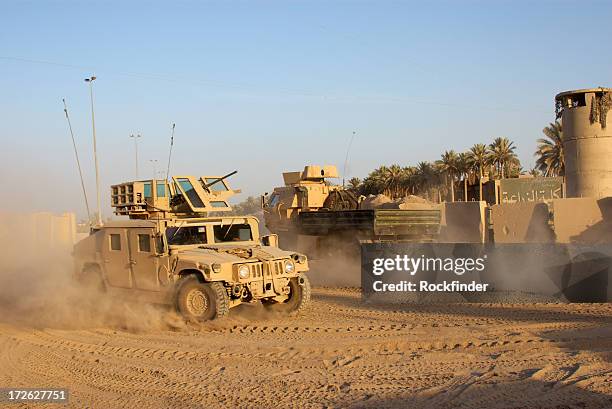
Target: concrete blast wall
{"x":587,"y":133}
{"x":34,"y":234}
{"x":522,"y":222}
{"x":463,"y":222}
{"x":583,"y":220}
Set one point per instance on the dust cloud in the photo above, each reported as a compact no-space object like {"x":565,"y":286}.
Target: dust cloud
{"x":38,"y":288}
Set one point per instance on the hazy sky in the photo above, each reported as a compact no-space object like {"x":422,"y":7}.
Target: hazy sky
{"x":264,"y":87}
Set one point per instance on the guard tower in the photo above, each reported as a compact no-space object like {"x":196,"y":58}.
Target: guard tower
{"x":181,"y":196}
{"x":587,"y":141}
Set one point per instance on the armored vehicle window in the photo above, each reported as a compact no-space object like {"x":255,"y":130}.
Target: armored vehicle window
{"x":235,"y":232}
{"x":115,"y":242}
{"x":218,"y":203}
{"x":217,"y":187}
{"x":147,"y":190}
{"x":192,"y":195}
{"x":144,"y":243}
{"x":274,"y":200}
{"x":186,"y":235}
{"x":161,"y":189}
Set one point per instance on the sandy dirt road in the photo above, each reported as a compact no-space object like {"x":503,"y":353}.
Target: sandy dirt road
{"x":341,"y":353}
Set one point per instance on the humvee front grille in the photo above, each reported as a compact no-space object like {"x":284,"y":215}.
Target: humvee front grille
{"x":256,"y":270}
{"x":279,"y":267}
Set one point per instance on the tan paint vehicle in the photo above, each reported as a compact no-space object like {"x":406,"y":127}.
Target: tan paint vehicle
{"x":202,"y":265}
{"x":311,"y":214}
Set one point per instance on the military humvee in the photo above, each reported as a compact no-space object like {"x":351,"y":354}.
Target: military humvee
{"x":169,"y":252}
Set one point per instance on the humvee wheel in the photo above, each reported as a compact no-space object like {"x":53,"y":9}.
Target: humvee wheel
{"x":202,"y":301}
{"x":299,"y":297}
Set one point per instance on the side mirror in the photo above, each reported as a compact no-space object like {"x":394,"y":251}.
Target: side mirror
{"x":263,"y":200}
{"x":270,"y":240}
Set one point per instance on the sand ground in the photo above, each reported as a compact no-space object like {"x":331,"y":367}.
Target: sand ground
{"x":341,"y":353}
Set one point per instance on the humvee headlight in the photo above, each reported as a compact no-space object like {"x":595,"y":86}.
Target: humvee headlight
{"x":243,"y":271}
{"x":216,"y":267}
{"x":289,"y":267}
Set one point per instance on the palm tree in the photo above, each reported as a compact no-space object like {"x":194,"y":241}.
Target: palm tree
{"x":354,"y":184}
{"x":551,"y":159}
{"x":373,"y":184}
{"x":392,"y":180}
{"x":409,"y":180}
{"x":502,"y":154}
{"x":448,"y":165}
{"x":535,"y":172}
{"x":479,"y":155}
{"x":464,"y":167}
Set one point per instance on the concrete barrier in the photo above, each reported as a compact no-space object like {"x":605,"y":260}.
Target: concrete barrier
{"x":521,"y":222}
{"x":463,"y":222}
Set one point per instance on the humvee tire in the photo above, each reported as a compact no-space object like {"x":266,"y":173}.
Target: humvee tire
{"x":299,"y":297}
{"x":202,"y":301}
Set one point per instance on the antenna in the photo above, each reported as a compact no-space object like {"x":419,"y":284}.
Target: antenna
{"x":170,"y":154}
{"x":346,"y":158}
{"x":76,"y":154}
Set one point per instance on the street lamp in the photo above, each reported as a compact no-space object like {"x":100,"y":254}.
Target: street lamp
{"x":154,"y":163}
{"x":136,"y":137}
{"x":90,"y":80}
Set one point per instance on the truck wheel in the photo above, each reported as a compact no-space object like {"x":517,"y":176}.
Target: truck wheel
{"x":299,"y":297}
{"x":202,"y":301}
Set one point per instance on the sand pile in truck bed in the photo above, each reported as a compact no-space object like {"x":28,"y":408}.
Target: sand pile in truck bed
{"x":409,"y":202}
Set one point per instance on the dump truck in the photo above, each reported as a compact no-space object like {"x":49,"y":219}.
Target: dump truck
{"x":177,"y":248}
{"x":311,"y":213}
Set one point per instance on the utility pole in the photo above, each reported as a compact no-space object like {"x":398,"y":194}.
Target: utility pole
{"x":136,"y":137}
{"x":90,"y":80}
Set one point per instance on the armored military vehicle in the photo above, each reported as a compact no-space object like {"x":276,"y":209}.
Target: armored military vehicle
{"x":309,"y":209}
{"x":170,"y":251}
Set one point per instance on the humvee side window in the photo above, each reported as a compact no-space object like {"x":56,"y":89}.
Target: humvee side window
{"x":115,"y":242}
{"x":192,"y":195}
{"x":186,"y":235}
{"x":144,"y":243}
{"x":235,"y":232}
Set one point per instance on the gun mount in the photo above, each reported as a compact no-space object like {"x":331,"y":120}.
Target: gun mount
{"x":181,"y":196}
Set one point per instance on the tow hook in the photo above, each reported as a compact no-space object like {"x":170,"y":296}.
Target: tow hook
{"x":301,"y":280}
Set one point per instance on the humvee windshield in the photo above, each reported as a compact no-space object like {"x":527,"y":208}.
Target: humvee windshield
{"x":233,"y":232}
{"x":186,"y":235}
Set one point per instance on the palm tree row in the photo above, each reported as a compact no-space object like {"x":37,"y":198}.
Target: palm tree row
{"x":438,"y":179}
{"x":435,"y":180}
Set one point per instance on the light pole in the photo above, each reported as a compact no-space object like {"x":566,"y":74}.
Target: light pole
{"x":90,"y":80}
{"x":136,"y":137}
{"x":154,"y":163}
